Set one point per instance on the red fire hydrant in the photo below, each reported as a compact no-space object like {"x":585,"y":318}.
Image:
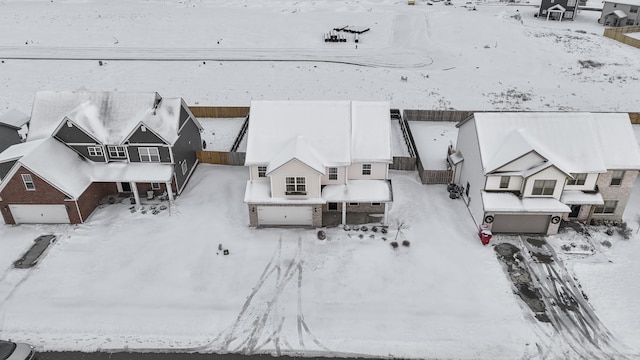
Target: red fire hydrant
{"x":485,"y":234}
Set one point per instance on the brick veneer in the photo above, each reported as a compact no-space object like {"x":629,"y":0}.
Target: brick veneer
{"x":618,"y":192}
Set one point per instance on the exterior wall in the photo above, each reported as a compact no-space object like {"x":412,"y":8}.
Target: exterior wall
{"x":89,"y":200}
{"x":15,"y":193}
{"x":295,"y":168}
{"x":550,"y":173}
{"x":5,"y":168}
{"x":185,"y":149}
{"x":74,"y":135}
{"x":317,"y":213}
{"x":620,"y":193}
{"x":8,"y":137}
{"x":144,"y":187}
{"x":361,"y":208}
{"x":524,"y":162}
{"x":163,"y":150}
{"x":144,"y":137}
{"x":608,"y":7}
{"x":589,"y":183}
{"x":342,"y":173}
{"x":470,"y":170}
{"x":378,"y":171}
{"x":493,"y":183}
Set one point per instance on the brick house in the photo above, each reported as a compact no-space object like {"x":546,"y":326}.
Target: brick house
{"x":83,"y":146}
{"x":524,"y":172}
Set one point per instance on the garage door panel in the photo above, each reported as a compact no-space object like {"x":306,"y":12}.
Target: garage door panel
{"x":285,"y":215}
{"x":508,"y":223}
{"x":39,"y":214}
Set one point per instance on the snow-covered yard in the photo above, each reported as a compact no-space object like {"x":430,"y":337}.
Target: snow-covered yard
{"x":220,"y":133}
{"x":432,"y":140}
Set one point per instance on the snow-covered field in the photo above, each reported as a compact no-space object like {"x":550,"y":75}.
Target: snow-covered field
{"x":159,"y":281}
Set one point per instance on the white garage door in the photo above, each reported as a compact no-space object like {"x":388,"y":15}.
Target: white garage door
{"x":39,"y":214}
{"x":285,"y":215}
{"x":529,"y":224}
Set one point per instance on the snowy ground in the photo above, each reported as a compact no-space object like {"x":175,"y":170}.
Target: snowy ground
{"x":432,"y":140}
{"x":220,"y":133}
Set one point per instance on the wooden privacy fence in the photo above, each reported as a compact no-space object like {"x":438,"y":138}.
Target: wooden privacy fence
{"x":436,"y":115}
{"x":618,"y":34}
{"x":635,"y":118}
{"x":219,"y":111}
{"x":221,"y":157}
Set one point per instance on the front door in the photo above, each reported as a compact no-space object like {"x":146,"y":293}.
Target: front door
{"x":575,"y":211}
{"x":124,"y":187}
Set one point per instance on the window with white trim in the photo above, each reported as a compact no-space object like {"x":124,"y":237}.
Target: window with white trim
{"x":366,"y":169}
{"x":609,"y":207}
{"x":149,"y":154}
{"x":296,"y":185}
{"x":117,"y":152}
{"x":155,"y":186}
{"x":333,"y":173}
{"x":616,"y":177}
{"x":543,"y":187}
{"x":28,"y":182}
{"x":578,"y":179}
{"x":184,"y":167}
{"x":332,"y":206}
{"x":95,"y":151}
{"x":262,"y":171}
{"x":633,"y":9}
{"x":504,"y":182}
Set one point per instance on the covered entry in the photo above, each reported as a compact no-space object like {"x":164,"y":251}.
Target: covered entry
{"x":285,"y":215}
{"x":516,"y":223}
{"x":39,"y":214}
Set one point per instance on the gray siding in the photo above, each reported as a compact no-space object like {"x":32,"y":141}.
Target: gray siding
{"x":8,"y":137}
{"x":134,"y":155}
{"x":74,"y":135}
{"x":144,"y":137}
{"x":84,"y":151}
{"x":5,"y":167}
{"x":185,"y":149}
{"x":184,"y":115}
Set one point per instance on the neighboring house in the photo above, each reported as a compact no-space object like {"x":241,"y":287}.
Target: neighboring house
{"x":9,"y":135}
{"x":524,"y":172}
{"x":318,"y":163}
{"x":83,"y":146}
{"x":558,"y":9}
{"x":620,"y":13}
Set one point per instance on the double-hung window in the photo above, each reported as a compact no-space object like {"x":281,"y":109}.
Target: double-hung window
{"x":149,"y":154}
{"x":609,"y":207}
{"x":616,"y":177}
{"x":333,"y":173}
{"x":366,"y":169}
{"x":28,"y":182}
{"x":117,"y":152}
{"x":94,"y":151}
{"x":262,"y":171}
{"x":543,"y":187}
{"x":295,"y":185}
{"x":578,"y":179}
{"x":504,"y":182}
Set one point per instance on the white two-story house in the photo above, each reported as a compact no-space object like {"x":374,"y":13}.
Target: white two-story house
{"x":525,"y":172}
{"x":318,"y":163}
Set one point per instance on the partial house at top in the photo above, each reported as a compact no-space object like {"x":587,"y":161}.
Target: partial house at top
{"x":315,"y":163}
{"x":558,"y":9}
{"x":524,"y":172}
{"x":83,"y":146}
{"x":620,"y":13}
{"x":11,"y":123}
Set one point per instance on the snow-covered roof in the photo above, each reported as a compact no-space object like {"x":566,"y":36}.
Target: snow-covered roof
{"x":577,"y":197}
{"x":618,"y":13}
{"x":109,"y":116}
{"x":259,"y":192}
{"x":14,"y":118}
{"x":340,"y":132}
{"x":298,"y":149}
{"x":359,"y":191}
{"x":508,"y":202}
{"x":573,"y":142}
{"x":626,"y":2}
{"x":71,"y":174}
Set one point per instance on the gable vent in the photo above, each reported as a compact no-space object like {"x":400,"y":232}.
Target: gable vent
{"x":143,"y":128}
{"x":69,"y":123}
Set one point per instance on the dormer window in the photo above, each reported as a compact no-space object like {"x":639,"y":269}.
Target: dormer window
{"x":504,"y":182}
{"x":333,"y":173}
{"x":366,"y":169}
{"x":117,"y":152}
{"x":262,"y":171}
{"x":95,"y":151}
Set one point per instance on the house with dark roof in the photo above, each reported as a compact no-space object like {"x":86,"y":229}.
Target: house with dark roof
{"x":318,"y":163}
{"x":83,"y":146}
{"x":525,"y":172}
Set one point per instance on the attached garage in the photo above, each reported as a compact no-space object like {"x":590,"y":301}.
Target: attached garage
{"x":39,"y":214}
{"x":285,"y":215}
{"x":528,"y":224}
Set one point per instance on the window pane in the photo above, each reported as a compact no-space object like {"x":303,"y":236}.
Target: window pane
{"x":504,"y":182}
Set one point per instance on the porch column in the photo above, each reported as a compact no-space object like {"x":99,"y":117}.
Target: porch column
{"x":344,"y":213}
{"x":136,"y":196}
{"x":384,"y":218}
{"x":169,"y":192}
